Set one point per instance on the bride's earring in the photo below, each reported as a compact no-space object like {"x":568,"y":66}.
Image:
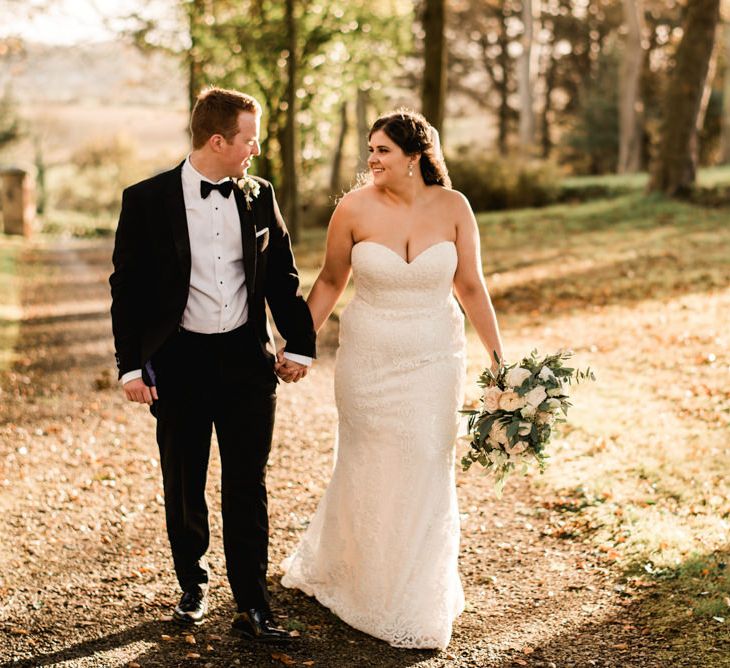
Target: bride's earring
{"x":410,"y":169}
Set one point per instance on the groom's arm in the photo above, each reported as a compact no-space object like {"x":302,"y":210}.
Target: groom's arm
{"x":126,"y":286}
{"x":282,"y":290}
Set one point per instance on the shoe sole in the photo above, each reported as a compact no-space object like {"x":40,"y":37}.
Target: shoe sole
{"x":248,"y":636}
{"x":186,"y":621}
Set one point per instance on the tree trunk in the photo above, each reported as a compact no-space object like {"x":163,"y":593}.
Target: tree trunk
{"x":726,"y":98}
{"x":524,"y":80}
{"x":434,"y":70}
{"x":289,"y":144}
{"x":196,"y":10}
{"x":629,"y":154}
{"x":336,"y":175}
{"x":503,"y":60}
{"x":676,"y":165}
{"x":547,"y":142}
{"x":361,"y":114}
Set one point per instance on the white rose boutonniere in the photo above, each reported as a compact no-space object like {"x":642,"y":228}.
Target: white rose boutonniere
{"x":250,"y":188}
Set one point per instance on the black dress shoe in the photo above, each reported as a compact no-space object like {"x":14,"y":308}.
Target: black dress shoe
{"x":191,"y":609}
{"x":255,"y":624}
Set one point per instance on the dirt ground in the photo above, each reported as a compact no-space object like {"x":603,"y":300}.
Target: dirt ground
{"x":87,"y":580}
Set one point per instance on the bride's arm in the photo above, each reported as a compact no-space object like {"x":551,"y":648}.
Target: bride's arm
{"x":335,"y":273}
{"x":469,"y":285}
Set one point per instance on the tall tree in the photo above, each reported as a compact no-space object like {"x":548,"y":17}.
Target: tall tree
{"x":675,"y":169}
{"x":525,"y":78}
{"x":629,"y":157}
{"x":290,"y":143}
{"x":434,"y":71}
{"x":726,"y":96}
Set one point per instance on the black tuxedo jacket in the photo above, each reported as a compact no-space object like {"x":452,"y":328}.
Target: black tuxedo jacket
{"x":151,"y":277}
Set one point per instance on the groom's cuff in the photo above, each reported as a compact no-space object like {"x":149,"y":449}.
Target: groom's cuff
{"x":299,"y":359}
{"x":130,"y":375}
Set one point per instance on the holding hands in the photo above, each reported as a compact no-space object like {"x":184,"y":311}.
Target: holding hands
{"x":288,"y":370}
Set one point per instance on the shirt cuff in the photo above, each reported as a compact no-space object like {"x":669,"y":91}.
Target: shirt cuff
{"x":130,"y":375}
{"x":299,"y":359}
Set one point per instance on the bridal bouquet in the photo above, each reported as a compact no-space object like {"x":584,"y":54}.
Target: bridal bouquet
{"x":519,"y":408}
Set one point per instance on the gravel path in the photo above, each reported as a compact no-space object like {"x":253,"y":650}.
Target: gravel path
{"x":86,"y":576}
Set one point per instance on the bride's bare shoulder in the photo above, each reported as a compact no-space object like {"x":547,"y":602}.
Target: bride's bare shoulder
{"x":451,"y":198}
{"x":358,"y":200}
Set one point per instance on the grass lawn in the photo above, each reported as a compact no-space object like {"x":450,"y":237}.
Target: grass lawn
{"x":639,"y":288}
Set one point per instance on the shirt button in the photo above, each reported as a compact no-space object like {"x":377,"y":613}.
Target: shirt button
{"x":219,"y":257}
{"x":221,"y":282}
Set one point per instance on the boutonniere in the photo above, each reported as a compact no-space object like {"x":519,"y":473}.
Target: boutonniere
{"x":250,"y":188}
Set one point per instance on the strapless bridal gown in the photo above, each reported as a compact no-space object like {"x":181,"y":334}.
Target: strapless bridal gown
{"x":381,"y":550}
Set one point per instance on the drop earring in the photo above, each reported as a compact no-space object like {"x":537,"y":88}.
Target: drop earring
{"x":410,"y":169}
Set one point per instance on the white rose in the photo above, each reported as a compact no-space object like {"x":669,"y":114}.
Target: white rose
{"x":517,"y":448}
{"x":491,"y":399}
{"x":511,"y":401}
{"x":536,"y":396}
{"x":515,"y":377}
{"x":546,"y":374}
{"x":528,"y":412}
{"x":525,"y":428}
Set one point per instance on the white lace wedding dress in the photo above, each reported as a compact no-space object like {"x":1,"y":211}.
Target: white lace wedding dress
{"x":381,"y":550}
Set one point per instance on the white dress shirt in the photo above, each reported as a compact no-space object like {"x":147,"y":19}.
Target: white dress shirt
{"x":218,"y":297}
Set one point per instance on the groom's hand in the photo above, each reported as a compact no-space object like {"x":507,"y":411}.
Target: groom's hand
{"x":136,"y":390}
{"x":288,"y":370}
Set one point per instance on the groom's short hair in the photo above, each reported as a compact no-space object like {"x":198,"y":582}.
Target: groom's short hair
{"x":216,"y":113}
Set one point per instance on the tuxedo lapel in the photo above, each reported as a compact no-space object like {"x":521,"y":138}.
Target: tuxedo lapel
{"x":248,"y":239}
{"x":174,"y":206}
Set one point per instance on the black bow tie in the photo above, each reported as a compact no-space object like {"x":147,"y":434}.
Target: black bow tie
{"x":224,"y":188}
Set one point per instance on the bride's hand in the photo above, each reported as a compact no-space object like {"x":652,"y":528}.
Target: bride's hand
{"x":288,"y":370}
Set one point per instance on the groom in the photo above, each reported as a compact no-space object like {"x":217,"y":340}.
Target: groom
{"x":199,"y":250}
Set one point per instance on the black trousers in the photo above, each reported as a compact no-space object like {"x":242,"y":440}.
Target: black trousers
{"x":222,"y":380}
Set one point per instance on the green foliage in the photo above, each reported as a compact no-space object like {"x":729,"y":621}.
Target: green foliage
{"x":10,"y":124}
{"x":244,"y":45}
{"x":493,"y":183}
{"x":591,"y":145}
{"x":99,"y":171}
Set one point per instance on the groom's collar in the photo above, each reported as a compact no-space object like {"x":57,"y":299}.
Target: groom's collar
{"x":192,"y":176}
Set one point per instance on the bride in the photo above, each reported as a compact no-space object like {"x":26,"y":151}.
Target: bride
{"x":381,"y":550}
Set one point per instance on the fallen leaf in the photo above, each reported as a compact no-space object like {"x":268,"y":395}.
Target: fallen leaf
{"x":133,"y":664}
{"x":19,"y":632}
{"x":284,"y":658}
{"x":528,"y":650}
{"x":621,"y":645}
{"x":166,"y":637}
{"x":192,"y":655}
{"x":190,"y":640}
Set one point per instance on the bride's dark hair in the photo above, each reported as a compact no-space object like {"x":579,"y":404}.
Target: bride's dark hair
{"x":412,"y":132}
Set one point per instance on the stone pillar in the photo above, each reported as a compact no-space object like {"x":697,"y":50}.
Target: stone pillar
{"x":18,"y":201}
